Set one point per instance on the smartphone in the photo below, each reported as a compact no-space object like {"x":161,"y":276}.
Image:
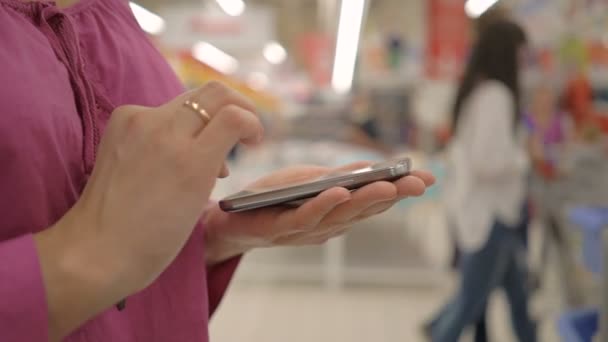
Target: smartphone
{"x":297,"y":193}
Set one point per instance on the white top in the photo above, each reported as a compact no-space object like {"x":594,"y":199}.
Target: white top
{"x":487,"y":166}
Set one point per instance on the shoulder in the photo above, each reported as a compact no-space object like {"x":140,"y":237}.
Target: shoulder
{"x":491,"y":97}
{"x":492,"y":91}
{"x":489,"y":105}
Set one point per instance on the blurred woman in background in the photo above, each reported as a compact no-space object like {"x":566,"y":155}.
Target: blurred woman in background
{"x":486,"y":195}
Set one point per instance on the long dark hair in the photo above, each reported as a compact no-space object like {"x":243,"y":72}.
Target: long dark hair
{"x":495,"y":56}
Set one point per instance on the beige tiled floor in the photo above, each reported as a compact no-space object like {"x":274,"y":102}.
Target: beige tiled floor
{"x":270,"y":313}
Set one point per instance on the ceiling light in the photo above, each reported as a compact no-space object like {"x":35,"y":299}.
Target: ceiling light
{"x":475,"y":8}
{"x":349,"y":31}
{"x":275,"y":53}
{"x":233,"y":8}
{"x":149,"y":22}
{"x":215,"y":58}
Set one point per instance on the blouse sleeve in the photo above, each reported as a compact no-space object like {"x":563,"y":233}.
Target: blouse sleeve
{"x":23,"y":308}
{"x":218,"y":279}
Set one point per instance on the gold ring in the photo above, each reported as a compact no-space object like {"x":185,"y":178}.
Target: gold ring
{"x":198,"y":109}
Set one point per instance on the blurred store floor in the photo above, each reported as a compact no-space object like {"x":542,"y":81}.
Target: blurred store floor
{"x":279,"y":313}
{"x":283,"y":307}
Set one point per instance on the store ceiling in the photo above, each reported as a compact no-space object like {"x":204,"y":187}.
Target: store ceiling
{"x":294,"y":17}
{"x":156,"y":3}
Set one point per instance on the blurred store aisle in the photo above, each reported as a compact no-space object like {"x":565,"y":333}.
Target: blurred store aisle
{"x":265,"y":313}
{"x":311,"y":314}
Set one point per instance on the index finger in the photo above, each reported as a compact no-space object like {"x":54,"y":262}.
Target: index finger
{"x":230,"y":126}
{"x":312,"y":212}
{"x":217,"y":96}
{"x":425,"y":176}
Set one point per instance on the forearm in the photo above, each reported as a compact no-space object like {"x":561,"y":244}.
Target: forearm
{"x":79,"y":283}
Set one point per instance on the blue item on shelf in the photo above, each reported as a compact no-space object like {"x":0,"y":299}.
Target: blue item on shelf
{"x":578,"y":325}
{"x":591,"y":220}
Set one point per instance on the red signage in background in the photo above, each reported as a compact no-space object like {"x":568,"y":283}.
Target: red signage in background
{"x":316,"y":51}
{"x":598,"y":53}
{"x":448,"y":38}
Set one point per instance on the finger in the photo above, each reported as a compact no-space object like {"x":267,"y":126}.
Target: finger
{"x":406,"y":187}
{"x":333,"y":231}
{"x":362,"y":199}
{"x":340,"y":231}
{"x":307,"y":239}
{"x":410,"y":186}
{"x":231,"y":125}
{"x":375,"y":209}
{"x":311,"y":213}
{"x":186,"y":121}
{"x":189,"y":121}
{"x":224,"y":172}
{"x":426,"y":177}
{"x":217,"y":96}
{"x":207,"y":101}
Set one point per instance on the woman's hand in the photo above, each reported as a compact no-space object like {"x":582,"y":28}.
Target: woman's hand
{"x":155,"y":170}
{"x":328,"y":215}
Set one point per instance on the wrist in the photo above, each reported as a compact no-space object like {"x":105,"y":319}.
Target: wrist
{"x":219,"y":247}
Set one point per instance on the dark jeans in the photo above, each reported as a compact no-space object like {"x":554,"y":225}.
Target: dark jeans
{"x":480,"y":325}
{"x":499,"y":263}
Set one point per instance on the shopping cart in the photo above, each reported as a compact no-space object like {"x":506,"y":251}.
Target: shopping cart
{"x":578,"y":325}
{"x":583,"y":325}
{"x":592,"y":221}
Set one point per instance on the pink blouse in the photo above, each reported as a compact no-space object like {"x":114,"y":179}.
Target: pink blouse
{"x":62,"y":72}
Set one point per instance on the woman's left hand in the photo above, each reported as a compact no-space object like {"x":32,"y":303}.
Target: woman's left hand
{"x":328,"y":215}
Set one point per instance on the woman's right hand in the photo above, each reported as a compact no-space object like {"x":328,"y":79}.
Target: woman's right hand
{"x":154,"y":173}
